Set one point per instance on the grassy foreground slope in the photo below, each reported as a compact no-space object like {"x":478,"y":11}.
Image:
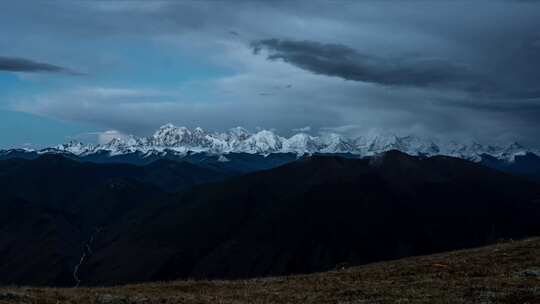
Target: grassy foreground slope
{"x":508,"y":272}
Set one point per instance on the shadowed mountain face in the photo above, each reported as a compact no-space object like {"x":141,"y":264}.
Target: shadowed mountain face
{"x":232,"y":162}
{"x":527,"y":165}
{"x":50,"y":206}
{"x":309,"y":215}
{"x":50,"y":174}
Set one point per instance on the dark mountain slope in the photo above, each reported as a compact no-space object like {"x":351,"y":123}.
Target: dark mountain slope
{"x":42,"y":241}
{"x":174,"y":176}
{"x":37,"y":245}
{"x":527,"y":165}
{"x":232,"y":162}
{"x":315,"y":213}
{"x":50,"y":176}
{"x":51,"y":206}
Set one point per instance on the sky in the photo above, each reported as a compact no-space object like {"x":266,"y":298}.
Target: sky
{"x":461,"y":70}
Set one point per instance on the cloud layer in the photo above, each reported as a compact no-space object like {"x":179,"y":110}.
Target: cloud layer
{"x":440,"y":68}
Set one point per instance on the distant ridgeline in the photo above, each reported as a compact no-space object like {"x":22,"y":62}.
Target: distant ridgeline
{"x":247,"y":152}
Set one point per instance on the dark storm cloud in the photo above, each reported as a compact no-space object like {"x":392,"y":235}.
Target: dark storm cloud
{"x":13,"y":64}
{"x":342,"y":61}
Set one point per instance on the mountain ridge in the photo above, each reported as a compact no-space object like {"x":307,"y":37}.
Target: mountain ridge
{"x":305,"y":216}
{"x":170,"y":139}
{"x":317,"y":212}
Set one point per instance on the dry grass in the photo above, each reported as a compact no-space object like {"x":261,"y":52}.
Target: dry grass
{"x":504,"y":273}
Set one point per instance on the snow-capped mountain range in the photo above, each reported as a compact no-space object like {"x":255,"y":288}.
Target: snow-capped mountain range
{"x":178,"y":140}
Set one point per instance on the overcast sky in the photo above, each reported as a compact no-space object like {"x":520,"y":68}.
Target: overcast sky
{"x":444,"y":69}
